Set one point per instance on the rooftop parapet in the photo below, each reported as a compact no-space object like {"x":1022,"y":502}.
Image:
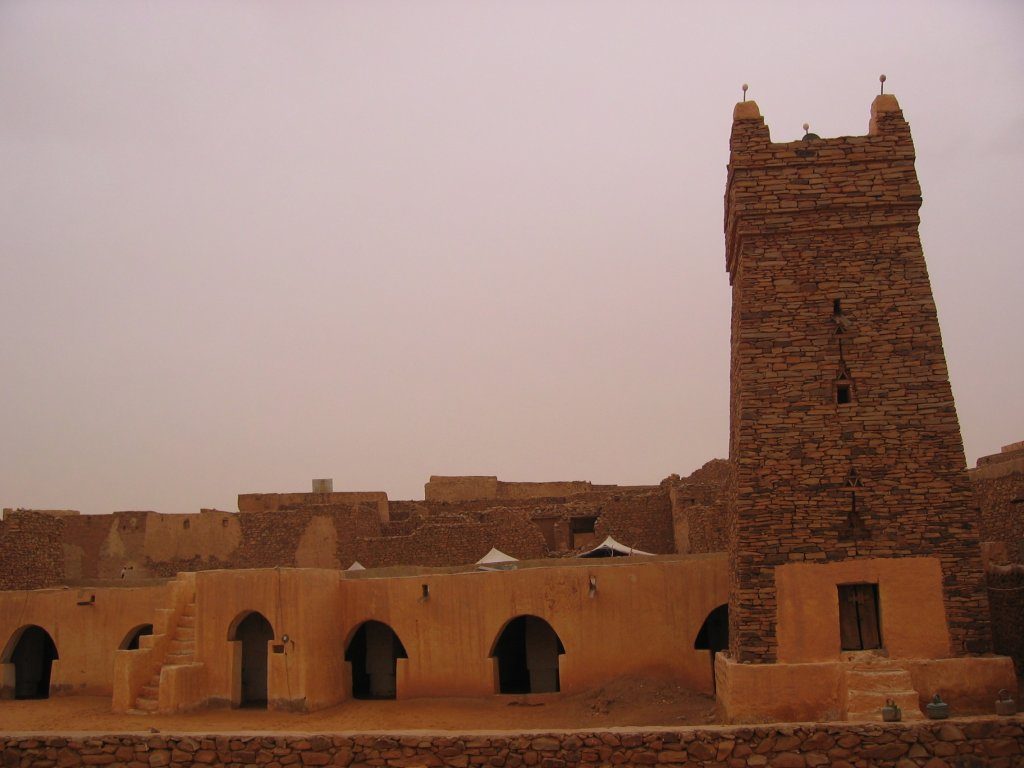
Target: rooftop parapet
{"x":818,"y":183}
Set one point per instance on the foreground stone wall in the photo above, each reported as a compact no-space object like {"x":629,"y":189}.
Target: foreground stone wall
{"x":951,"y":744}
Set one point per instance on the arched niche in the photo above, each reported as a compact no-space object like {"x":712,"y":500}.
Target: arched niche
{"x":527,"y":651}
{"x":714,"y":635}
{"x":373,"y":652}
{"x":253,"y":632}
{"x":31,"y":651}
{"x":131,"y":638}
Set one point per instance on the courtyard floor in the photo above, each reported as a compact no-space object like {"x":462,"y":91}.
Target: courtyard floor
{"x":624,"y":702}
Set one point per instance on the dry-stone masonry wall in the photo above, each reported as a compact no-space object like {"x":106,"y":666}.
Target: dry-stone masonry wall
{"x":843,"y":432}
{"x":40,"y":549}
{"x":30,"y":551}
{"x":982,"y":742}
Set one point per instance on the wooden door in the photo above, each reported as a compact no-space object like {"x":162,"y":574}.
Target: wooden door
{"x":858,"y":617}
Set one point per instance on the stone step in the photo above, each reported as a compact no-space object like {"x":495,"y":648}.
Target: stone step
{"x":180,"y":646}
{"x":867,"y":705}
{"x":184,"y":633}
{"x":189,"y":610}
{"x":150,"y":691}
{"x":879,"y":680}
{"x":186,"y":621}
{"x":146,"y":705}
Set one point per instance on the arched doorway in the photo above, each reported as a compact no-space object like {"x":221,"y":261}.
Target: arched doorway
{"x":714,"y":635}
{"x":32,"y":652}
{"x":131,"y":640}
{"x":254,"y":633}
{"x":527,"y":651}
{"x":374,"y":651}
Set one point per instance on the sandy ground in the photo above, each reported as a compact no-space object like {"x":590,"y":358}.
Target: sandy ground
{"x":624,"y":702}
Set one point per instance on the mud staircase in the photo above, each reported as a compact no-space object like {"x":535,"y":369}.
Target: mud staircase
{"x":181,"y":649}
{"x":868,"y":684}
{"x":162,"y":674}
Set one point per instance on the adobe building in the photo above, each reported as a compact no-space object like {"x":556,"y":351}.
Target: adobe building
{"x":840,"y":557}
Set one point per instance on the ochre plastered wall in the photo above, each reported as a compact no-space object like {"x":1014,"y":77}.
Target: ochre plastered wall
{"x":304,"y":604}
{"x":86,"y":635}
{"x":912,"y":614}
{"x":810,"y":692}
{"x":450,"y":635}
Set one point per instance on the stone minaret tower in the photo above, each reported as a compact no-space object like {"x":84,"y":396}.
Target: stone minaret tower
{"x":843,"y":432}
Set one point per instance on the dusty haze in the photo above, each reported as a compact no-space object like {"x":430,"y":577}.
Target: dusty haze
{"x":245,"y":244}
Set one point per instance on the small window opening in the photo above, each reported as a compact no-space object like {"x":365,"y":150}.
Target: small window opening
{"x":858,"y":617}
{"x":583,"y":524}
{"x":582,"y":531}
{"x":844,"y":393}
{"x":837,"y":307}
{"x":186,"y":524}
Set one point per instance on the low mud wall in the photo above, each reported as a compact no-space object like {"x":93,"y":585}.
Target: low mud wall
{"x":998,"y":743}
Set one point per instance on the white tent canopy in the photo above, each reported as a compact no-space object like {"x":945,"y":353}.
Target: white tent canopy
{"x":495,"y":556}
{"x":356,"y":566}
{"x":611,"y":548}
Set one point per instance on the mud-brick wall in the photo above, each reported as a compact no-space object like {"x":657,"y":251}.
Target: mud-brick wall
{"x":700,"y":508}
{"x":990,"y":743}
{"x":829,"y":280}
{"x":1001,"y":500}
{"x":639,"y":519}
{"x":31,"y":556}
{"x":450,"y":539}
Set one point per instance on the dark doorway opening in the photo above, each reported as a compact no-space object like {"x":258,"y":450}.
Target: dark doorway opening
{"x":33,"y":655}
{"x":527,"y":651}
{"x":255,"y":633}
{"x":858,"y":617}
{"x":374,"y":652}
{"x":714,"y":636}
{"x":131,"y":640}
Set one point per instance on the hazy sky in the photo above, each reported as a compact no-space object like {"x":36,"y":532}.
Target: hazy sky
{"x":246,"y":244}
